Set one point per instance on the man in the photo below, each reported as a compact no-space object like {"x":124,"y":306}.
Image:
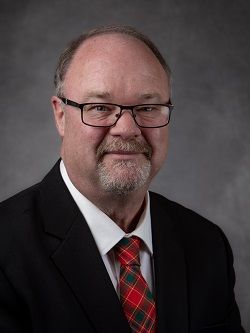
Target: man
{"x":89,"y":249}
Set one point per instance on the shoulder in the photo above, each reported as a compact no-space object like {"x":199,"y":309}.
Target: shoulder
{"x":16,"y":222}
{"x":23,"y":217}
{"x":201,"y":240}
{"x":191,"y":227}
{"x":19,"y":203}
{"x":178,"y":212}
{"x":28,"y":199}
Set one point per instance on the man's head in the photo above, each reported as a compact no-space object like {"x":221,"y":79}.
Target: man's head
{"x":111,"y":65}
{"x":67,"y":55}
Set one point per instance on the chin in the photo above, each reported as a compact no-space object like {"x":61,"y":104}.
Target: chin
{"x":124,"y":179}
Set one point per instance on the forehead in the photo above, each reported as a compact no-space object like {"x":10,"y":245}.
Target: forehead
{"x":115,"y":60}
{"x":116,"y":45}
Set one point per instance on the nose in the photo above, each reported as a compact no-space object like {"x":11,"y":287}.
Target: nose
{"x":125,"y":126}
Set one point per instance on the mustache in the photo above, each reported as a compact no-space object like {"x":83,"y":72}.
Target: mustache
{"x":126,"y":146}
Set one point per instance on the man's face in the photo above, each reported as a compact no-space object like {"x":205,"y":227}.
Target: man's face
{"x":112,"y":69}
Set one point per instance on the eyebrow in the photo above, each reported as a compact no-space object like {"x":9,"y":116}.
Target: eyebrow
{"x":105,"y":95}
{"x":98,"y":94}
{"x":152,"y":95}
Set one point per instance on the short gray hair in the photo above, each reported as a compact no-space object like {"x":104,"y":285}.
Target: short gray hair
{"x":68,"y":54}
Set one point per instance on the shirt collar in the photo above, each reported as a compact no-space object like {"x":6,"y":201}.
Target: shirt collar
{"x":104,"y":230}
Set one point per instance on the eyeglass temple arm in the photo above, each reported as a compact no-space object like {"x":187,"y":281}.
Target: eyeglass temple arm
{"x":69,"y":102}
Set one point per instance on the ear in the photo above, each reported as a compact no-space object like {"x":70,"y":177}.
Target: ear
{"x":58,"y":114}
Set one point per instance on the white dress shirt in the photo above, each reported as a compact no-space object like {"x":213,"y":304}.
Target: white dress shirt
{"x":107,"y":234}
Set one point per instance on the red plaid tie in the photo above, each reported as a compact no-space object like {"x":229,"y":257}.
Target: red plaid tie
{"x":135,"y":296}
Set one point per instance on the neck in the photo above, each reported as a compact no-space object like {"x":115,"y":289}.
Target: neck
{"x":125,"y":211}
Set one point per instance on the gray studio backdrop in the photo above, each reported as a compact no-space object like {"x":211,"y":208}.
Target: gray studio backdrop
{"x":207,"y":45}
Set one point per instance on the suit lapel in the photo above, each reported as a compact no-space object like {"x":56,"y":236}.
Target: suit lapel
{"x":170,"y":272}
{"x":78,"y":259}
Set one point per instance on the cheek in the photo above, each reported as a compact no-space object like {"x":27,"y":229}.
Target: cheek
{"x":158,"y":139}
{"x":93,"y":137}
{"x":84,"y":140}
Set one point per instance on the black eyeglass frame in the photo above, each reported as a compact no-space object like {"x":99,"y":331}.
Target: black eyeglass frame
{"x":67,"y":101}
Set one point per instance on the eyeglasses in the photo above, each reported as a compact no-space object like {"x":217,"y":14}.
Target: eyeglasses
{"x":107,"y":114}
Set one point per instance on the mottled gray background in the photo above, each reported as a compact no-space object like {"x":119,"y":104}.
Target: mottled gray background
{"x":207,"y":44}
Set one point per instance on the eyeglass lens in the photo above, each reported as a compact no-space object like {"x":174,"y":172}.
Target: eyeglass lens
{"x":150,"y":115}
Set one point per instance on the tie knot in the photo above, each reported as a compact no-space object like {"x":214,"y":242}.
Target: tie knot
{"x":128,"y":250}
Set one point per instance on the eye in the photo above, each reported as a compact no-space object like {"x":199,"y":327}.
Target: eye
{"x":98,"y":108}
{"x":101,"y":107}
{"x":147,"y":108}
